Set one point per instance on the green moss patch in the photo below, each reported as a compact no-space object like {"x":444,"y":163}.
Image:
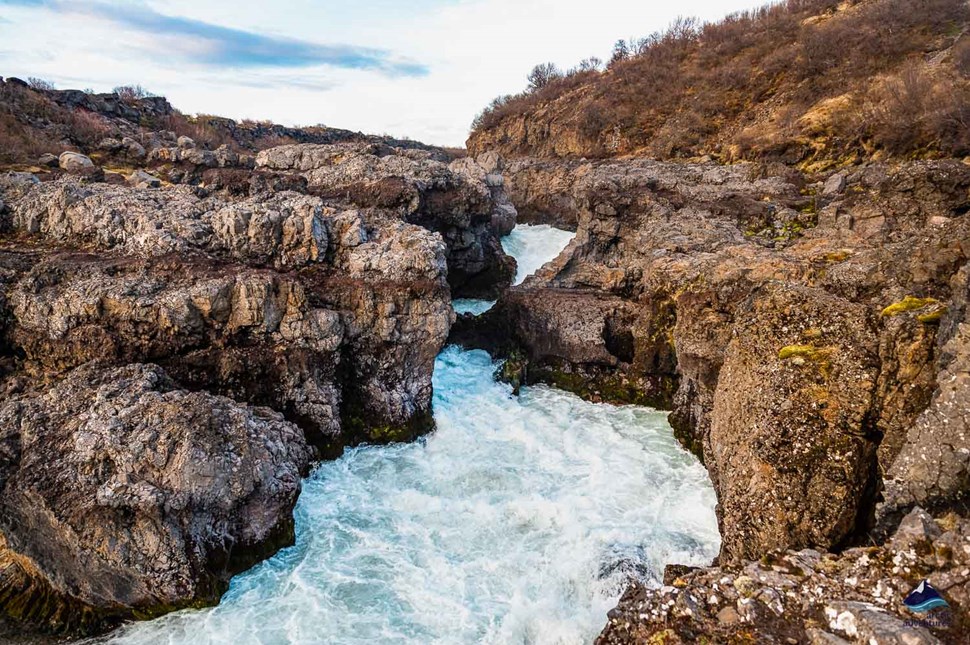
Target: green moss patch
{"x":909,"y":303}
{"x":820,"y":357}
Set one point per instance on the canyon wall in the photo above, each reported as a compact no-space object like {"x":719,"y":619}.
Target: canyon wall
{"x":808,"y":334}
{"x":176,"y":355}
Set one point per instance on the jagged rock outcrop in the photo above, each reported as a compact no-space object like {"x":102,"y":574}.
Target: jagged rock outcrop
{"x":123,"y":496}
{"x":329,"y":313}
{"x":810,"y":597}
{"x":932,"y":466}
{"x":464,"y":201}
{"x":172,"y":291}
{"x":793,"y":330}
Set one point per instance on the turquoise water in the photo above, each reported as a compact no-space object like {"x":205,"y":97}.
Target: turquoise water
{"x":519,"y":520}
{"x":531,"y":246}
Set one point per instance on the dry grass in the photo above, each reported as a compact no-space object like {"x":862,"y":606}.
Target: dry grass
{"x":740,"y":87}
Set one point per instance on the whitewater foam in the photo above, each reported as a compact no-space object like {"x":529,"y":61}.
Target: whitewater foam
{"x":519,"y":520}
{"x":531,"y":246}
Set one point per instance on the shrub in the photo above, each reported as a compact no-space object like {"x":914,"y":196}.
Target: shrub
{"x":543,"y":74}
{"x":40,"y":84}
{"x":715,"y":87}
{"x":85,"y":128}
{"x":21,"y":144}
{"x":131,"y":93}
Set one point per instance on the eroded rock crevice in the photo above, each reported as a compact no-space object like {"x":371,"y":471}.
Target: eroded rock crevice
{"x":805,"y":333}
{"x":175,"y":358}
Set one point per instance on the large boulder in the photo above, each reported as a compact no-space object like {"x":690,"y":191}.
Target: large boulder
{"x":124,"y":496}
{"x":456,"y":201}
{"x":75,"y":162}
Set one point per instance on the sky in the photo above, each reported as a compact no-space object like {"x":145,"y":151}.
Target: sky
{"x":409,"y":68}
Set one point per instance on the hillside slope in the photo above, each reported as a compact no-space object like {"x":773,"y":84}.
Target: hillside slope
{"x":814,"y":82}
{"x":36,"y":119}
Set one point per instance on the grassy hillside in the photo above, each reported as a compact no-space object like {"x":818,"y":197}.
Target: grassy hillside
{"x":813,"y":82}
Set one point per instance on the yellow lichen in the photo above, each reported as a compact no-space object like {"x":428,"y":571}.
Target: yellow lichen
{"x":820,"y":357}
{"x":931,"y":317}
{"x":909,"y":303}
{"x":803,"y":351}
{"x":835,"y":257}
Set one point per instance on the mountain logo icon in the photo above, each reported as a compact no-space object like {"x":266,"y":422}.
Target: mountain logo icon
{"x":924,"y":598}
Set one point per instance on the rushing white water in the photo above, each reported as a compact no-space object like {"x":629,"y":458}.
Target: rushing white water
{"x":531,"y":246}
{"x":534,"y":245}
{"x":519,"y":520}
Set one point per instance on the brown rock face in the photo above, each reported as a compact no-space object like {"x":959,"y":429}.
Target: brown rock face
{"x":464,"y":201}
{"x":126,"y":496}
{"x":139,"y":324}
{"x":793,"y":330}
{"x":791,"y":443}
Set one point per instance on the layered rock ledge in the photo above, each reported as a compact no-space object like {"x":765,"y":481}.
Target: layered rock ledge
{"x":175,"y":356}
{"x":808,"y":334}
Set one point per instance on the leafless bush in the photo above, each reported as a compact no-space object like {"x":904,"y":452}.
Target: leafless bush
{"x":86,"y":128}
{"x":40,"y":83}
{"x":131,"y":93}
{"x":543,"y":74}
{"x":22,"y":144}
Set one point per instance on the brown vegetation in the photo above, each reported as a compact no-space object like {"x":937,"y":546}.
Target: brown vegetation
{"x":20,"y":142}
{"x":812,"y":81}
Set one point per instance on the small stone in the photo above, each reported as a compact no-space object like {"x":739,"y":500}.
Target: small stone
{"x":746,"y":586}
{"x":141,"y":179}
{"x":110,"y":145}
{"x":74,"y":161}
{"x":48,"y":160}
{"x":833,"y":185}
{"x":728,"y":616}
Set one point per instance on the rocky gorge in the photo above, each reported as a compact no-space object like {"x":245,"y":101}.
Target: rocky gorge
{"x":175,"y":357}
{"x":807,"y":334}
{"x":193,"y":330}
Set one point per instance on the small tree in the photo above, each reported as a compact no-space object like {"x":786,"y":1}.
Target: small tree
{"x":590,"y":64}
{"x":621,"y":51}
{"x":131,"y":93}
{"x":40,"y":83}
{"x":542,"y":75}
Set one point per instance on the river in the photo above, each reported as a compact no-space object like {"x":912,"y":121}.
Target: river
{"x":519,"y":520}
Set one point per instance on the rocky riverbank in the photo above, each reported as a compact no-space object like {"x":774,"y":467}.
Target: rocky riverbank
{"x":178,"y":348}
{"x":808,"y":334}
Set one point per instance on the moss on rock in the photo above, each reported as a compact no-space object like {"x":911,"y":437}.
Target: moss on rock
{"x":909,"y":303}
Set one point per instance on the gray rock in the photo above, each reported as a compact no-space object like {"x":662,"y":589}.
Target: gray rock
{"x":453,"y":200}
{"x":141,"y":179}
{"x":110,"y":145}
{"x":834,"y":185}
{"x":185,"y":143}
{"x":133,"y":149}
{"x":853,"y":597}
{"x":122,"y":493}
{"x":74,"y":162}
{"x":867,"y":623}
{"x":48,"y":160}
